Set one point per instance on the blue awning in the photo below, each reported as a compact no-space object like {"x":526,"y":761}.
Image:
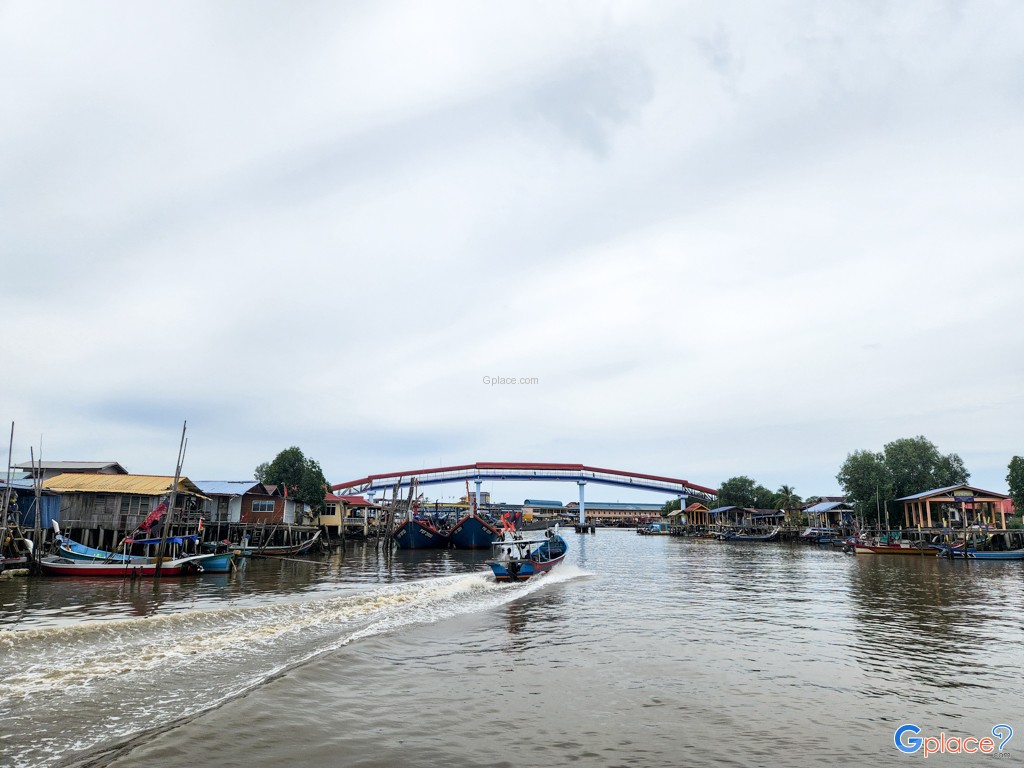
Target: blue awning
{"x":170,"y":540}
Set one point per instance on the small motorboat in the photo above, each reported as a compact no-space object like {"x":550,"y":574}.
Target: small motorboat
{"x":519,"y":558}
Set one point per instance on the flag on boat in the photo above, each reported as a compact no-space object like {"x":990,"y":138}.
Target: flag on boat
{"x":154,"y":517}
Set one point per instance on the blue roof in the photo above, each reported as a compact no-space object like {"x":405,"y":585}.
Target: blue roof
{"x":716,"y":510}
{"x":541,"y":503}
{"x":937,"y":491}
{"x":826,"y":506}
{"x":225,"y":487}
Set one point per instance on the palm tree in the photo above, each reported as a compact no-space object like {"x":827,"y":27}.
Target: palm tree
{"x":787,"y":499}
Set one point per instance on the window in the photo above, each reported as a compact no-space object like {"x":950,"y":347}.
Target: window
{"x":263,"y":506}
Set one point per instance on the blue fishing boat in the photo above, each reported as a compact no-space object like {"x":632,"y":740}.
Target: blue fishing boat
{"x":1002,"y":545}
{"x":74,"y":550}
{"x":220,"y":562}
{"x":472,"y":532}
{"x":418,"y":534}
{"x":518,"y":558}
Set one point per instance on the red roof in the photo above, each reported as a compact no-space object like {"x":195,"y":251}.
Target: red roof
{"x":354,"y":501}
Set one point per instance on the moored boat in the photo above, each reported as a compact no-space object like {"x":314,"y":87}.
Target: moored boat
{"x":219,"y":562}
{"x":472,"y":532}
{"x":245,"y":549}
{"x":73,"y":550}
{"x":1001,"y":545}
{"x":519,"y":558}
{"x":917,"y":548}
{"x":653,"y":529}
{"x":771,"y":535}
{"x":63,"y":566}
{"x":418,"y":534}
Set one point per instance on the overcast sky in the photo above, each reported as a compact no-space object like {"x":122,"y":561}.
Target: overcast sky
{"x":726,"y":238}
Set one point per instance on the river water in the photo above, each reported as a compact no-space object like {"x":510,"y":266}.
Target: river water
{"x":636,"y":651}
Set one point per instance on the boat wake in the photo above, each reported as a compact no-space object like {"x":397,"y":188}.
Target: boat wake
{"x":113,"y":680}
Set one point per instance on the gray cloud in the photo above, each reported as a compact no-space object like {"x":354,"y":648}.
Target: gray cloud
{"x":725,"y":239}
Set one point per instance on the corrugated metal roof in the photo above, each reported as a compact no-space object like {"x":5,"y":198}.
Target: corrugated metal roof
{"x":144,"y":485}
{"x":948,"y":488}
{"x":75,"y":465}
{"x":826,"y":506}
{"x":228,"y":487}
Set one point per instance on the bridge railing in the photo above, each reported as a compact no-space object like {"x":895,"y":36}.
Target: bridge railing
{"x":621,"y":479}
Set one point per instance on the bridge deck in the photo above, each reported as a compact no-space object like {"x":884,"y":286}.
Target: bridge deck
{"x":531,"y":471}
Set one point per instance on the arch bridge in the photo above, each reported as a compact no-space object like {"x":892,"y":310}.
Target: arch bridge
{"x":581,"y":474}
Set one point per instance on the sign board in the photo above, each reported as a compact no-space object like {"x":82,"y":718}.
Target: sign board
{"x":963,"y":498}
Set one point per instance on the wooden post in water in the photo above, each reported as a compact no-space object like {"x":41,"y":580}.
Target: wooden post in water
{"x":37,"y":487}
{"x":7,"y":492}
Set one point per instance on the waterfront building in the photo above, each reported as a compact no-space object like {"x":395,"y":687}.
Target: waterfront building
{"x":248,"y":501}
{"x":830,"y":514}
{"x":955,"y":506}
{"x":619,"y":513}
{"x":696,"y":515}
{"x":346,"y":512}
{"x":728,"y":515}
{"x":102,"y":504}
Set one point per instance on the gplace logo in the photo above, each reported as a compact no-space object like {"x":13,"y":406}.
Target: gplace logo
{"x":908,"y":740}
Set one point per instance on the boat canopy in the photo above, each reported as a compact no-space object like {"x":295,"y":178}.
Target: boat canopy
{"x":169,"y":540}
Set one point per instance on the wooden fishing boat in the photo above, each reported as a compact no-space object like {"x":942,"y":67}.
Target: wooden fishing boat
{"x":73,"y":550}
{"x":906,"y":548}
{"x":245,"y":549}
{"x":418,"y":534}
{"x":1002,"y":545}
{"x":771,"y":535}
{"x":519,"y":558}
{"x":55,"y":565}
{"x":472,"y":532}
{"x":221,"y":562}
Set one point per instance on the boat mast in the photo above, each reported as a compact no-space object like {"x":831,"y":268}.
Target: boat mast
{"x":170,"y":505}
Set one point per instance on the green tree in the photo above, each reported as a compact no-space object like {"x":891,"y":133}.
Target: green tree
{"x":867,"y":483}
{"x":787,"y":499}
{"x":904,"y":467}
{"x":737,"y":491}
{"x":916,"y":465}
{"x":741,"y":491}
{"x":1015,"y":482}
{"x":671,"y":506}
{"x":301,"y":477}
{"x":763,"y":498}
